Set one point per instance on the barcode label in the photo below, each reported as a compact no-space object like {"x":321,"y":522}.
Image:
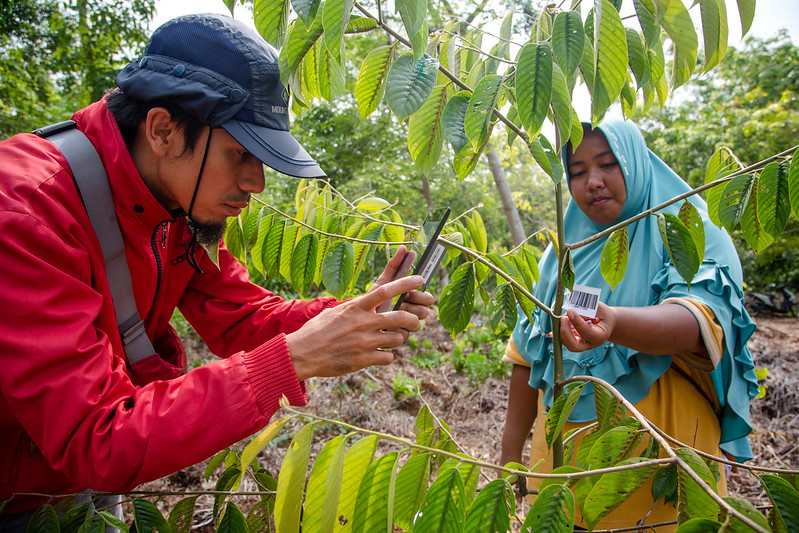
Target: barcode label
{"x":584,"y":300}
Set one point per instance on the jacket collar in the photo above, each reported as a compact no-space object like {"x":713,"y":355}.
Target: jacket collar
{"x":133,"y":199}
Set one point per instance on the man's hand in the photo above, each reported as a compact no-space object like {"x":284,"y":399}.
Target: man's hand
{"x":416,"y":302}
{"x":354,"y":335}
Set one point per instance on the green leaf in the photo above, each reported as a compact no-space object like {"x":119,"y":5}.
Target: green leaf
{"x":465,"y":160}
{"x":690,"y":217}
{"x":335,"y":17}
{"x":645,"y":11}
{"x":680,"y":246}
{"x":257,"y":444}
{"x":74,"y":515}
{"x":610,"y":59}
{"x":734,"y":199}
{"x":373,"y":232}
{"x":298,"y":42}
{"x":214,"y":462}
{"x":480,"y":111}
{"x":291,"y":481}
{"x":338,"y":268}
{"x":793,"y":183}
{"x":552,"y":511}
{"x":613,"y":264}
{"x":477,"y":231}
{"x":413,"y":13}
{"x":360,"y":25}
{"x":502,"y":310}
{"x":147,"y":518}
{"x":260,"y":517}
{"x":44,"y":520}
{"x":182,"y":514}
{"x":735,"y":525}
{"x":225,"y":483}
{"x":721,"y":164}
{"x":715,"y":31}
{"x":111,"y":520}
{"x":303,"y":263}
{"x":374,"y":506}
{"x":699,"y":525}
{"x":443,"y":508}
{"x":233,"y":520}
{"x":693,"y":502}
{"x":287,"y":248}
{"x":457,"y":299}
{"x":613,"y":489}
{"x":774,"y":207}
{"x":678,"y":24}
{"x":785,"y":499}
{"x":410,"y":489}
{"x":271,"y":19}
{"x":664,"y":484}
{"x":533,"y":85}
{"x":331,"y":75}
{"x":356,"y":462}
{"x":234,"y":239}
{"x":257,"y":250}
{"x":546,"y":157}
{"x":614,"y":445}
{"x":657,"y":64}
{"x":567,"y":271}
{"x":562,"y":110}
{"x":425,"y":138}
{"x":306,"y":10}
{"x":755,"y":233}
{"x":568,"y":36}
{"x":609,"y":410}
{"x":453,"y":121}
{"x":324,"y":483}
{"x":272,"y":249}
{"x":409,"y":84}
{"x":489,"y":511}
{"x":638,"y":57}
{"x":561,"y":409}
{"x":370,"y":84}
{"x":747,"y":10}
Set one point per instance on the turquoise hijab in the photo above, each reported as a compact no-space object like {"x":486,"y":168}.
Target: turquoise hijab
{"x":650,"y":279}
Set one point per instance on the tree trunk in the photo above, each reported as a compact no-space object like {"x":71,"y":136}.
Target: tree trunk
{"x":515,"y":223}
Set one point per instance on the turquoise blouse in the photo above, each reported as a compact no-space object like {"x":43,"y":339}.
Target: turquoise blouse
{"x":650,"y":279}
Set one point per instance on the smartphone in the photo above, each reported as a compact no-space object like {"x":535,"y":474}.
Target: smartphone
{"x":429,"y":251}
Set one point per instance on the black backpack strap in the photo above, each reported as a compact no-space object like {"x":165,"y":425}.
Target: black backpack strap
{"x":92,"y":183}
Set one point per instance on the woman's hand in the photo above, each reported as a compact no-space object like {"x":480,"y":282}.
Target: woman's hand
{"x":579,"y":334}
{"x":657,"y":329}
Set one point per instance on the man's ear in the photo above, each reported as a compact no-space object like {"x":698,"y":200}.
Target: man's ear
{"x":160,"y":133}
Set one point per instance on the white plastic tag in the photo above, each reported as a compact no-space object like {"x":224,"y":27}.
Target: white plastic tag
{"x":583,"y":299}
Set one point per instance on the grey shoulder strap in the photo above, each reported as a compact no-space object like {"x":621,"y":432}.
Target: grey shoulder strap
{"x":92,"y":182}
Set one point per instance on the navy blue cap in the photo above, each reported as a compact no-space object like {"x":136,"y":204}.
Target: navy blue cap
{"x":223,"y":73}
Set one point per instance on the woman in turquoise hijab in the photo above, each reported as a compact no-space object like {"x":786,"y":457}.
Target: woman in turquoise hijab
{"x":677,"y":352}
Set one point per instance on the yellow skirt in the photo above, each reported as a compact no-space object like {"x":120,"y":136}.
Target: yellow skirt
{"x":676,"y":406}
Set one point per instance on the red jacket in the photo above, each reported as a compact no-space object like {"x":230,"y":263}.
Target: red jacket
{"x":71,"y":415}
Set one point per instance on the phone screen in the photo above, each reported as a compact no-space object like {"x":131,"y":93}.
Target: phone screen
{"x":429,"y":252}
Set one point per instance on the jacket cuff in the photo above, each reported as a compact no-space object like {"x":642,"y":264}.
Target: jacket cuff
{"x":271,"y":374}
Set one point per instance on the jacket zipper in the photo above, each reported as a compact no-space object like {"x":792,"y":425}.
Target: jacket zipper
{"x":154,"y":246}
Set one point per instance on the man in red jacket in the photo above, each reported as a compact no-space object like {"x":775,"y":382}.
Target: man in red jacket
{"x":183,"y":140}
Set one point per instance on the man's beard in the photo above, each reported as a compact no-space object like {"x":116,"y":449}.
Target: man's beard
{"x":207,"y":233}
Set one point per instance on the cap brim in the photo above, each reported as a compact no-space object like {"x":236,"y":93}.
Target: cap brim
{"x":275,"y":148}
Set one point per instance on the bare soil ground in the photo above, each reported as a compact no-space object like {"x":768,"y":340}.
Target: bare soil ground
{"x":476,"y":413}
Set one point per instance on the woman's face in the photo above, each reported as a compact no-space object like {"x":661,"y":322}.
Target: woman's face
{"x":597,"y":182}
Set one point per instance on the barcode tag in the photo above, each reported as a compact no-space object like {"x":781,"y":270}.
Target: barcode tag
{"x":584,"y":300}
